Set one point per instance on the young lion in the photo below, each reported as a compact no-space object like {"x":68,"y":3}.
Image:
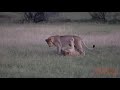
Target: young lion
{"x":70,"y":51}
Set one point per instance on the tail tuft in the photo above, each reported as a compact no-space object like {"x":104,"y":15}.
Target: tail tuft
{"x":93,"y":46}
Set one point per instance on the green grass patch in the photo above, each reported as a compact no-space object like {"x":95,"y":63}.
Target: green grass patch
{"x":41,"y":61}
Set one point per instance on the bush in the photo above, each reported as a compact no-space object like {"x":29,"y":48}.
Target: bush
{"x":34,"y":17}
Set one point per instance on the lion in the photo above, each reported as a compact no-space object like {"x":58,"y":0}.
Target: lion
{"x":70,"y":51}
{"x":61,"y":41}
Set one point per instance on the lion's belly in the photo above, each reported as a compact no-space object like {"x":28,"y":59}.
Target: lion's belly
{"x":64,"y":44}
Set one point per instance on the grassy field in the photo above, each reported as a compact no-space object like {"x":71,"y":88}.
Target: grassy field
{"x":25,"y":54}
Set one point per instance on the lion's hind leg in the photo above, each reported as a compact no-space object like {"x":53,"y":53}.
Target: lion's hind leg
{"x":79,"y":48}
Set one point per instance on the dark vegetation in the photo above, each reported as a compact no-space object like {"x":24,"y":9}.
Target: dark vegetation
{"x":37,"y":17}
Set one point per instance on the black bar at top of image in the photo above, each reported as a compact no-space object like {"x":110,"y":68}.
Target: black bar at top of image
{"x":58,"y":6}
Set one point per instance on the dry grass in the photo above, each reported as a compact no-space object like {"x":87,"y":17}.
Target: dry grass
{"x":25,"y":34}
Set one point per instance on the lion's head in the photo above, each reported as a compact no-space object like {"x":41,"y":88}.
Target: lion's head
{"x":65,"y":52}
{"x":50,"y":41}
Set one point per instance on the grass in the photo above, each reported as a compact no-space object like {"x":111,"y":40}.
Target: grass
{"x":25,"y":54}
{"x":37,"y":61}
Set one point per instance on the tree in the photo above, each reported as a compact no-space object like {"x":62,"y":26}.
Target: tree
{"x":98,"y":16}
{"x":34,"y":16}
{"x":115,"y":15}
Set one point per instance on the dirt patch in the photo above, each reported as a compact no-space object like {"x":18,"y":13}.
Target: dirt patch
{"x":106,"y":71}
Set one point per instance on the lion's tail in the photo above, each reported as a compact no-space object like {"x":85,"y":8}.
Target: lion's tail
{"x":87,"y":46}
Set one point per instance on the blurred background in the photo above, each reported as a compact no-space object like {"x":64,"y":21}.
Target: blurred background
{"x":37,"y":17}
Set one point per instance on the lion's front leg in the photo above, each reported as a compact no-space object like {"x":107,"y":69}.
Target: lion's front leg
{"x":59,"y":50}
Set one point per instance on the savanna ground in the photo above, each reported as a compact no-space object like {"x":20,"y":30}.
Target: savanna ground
{"x":25,"y":54}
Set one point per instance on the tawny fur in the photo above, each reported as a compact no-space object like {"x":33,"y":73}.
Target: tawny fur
{"x":71,"y":51}
{"x":62,"y":41}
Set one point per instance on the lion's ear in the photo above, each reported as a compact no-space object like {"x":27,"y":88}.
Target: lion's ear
{"x":70,"y":45}
{"x":68,"y":53}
